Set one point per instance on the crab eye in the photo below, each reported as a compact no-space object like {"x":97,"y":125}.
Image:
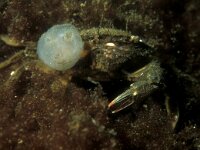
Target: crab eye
{"x":60,"y":47}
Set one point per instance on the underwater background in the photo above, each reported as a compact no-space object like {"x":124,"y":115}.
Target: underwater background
{"x":43,"y":108}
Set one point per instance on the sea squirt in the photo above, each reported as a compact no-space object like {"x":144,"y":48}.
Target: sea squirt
{"x":60,"y":47}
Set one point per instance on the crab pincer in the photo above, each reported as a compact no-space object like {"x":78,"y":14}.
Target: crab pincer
{"x":146,"y":79}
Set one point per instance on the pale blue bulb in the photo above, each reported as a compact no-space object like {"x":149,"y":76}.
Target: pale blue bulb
{"x":60,"y":47}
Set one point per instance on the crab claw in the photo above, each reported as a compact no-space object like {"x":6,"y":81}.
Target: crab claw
{"x":122,"y":101}
{"x":134,"y":94}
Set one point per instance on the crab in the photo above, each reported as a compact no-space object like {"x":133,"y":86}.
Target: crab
{"x":110,"y":55}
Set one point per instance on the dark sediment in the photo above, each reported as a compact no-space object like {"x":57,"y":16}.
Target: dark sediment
{"x":41,"y":109}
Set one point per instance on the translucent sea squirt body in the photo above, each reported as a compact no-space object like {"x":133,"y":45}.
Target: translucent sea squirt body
{"x":60,"y":47}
